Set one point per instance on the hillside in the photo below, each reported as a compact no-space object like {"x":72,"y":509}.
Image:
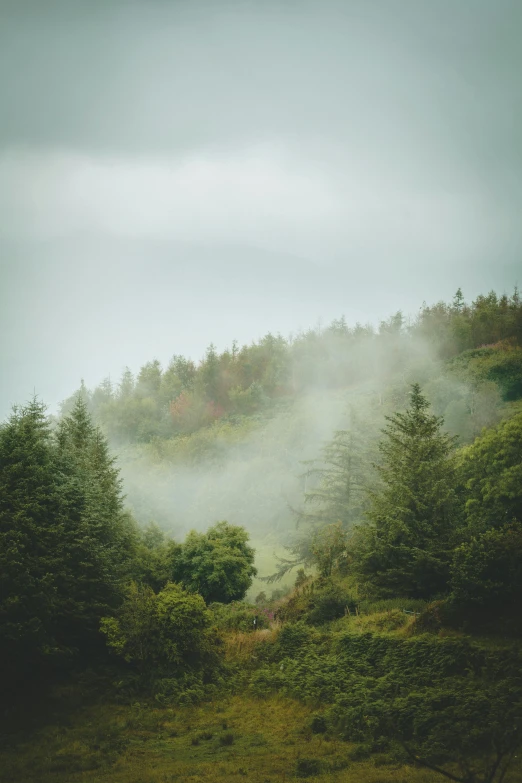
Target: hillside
{"x":308,"y":567}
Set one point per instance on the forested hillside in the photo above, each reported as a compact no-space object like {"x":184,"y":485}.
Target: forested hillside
{"x":386,"y":467}
{"x":227,"y":439}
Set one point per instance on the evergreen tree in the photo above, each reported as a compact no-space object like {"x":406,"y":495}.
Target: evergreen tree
{"x":404,"y":548}
{"x":30,"y":539}
{"x":335,"y":504}
{"x":100,"y":536}
{"x":340,"y":479}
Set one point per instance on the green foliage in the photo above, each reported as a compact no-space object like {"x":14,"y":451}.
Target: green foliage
{"x":415,"y":605}
{"x":500,"y":363}
{"x":318,"y":723}
{"x":448,"y":705}
{"x":167,"y":632}
{"x":132,"y":634}
{"x":293,"y":638}
{"x":486,"y":574}
{"x":329,"y":549}
{"x":217,"y":564}
{"x":307,"y":768}
{"x":238,"y":616}
{"x":340,"y":479}
{"x":67,"y":545}
{"x":329,"y":600}
{"x":155,"y":557}
{"x":184,"y":397}
{"x":405,"y":547}
{"x":491,"y":471}
{"x":102,"y":535}
{"x":31,"y":543}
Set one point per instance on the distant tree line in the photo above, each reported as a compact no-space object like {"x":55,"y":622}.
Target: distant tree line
{"x":161,"y":403}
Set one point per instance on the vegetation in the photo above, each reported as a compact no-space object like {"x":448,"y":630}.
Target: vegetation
{"x":395,"y":657}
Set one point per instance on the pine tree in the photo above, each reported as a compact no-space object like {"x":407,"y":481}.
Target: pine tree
{"x":100,"y":535}
{"x":404,"y":548}
{"x":335,"y":504}
{"x":340,"y":479}
{"x":30,"y":538}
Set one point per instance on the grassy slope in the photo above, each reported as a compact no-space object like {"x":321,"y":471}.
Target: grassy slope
{"x":140,"y":744}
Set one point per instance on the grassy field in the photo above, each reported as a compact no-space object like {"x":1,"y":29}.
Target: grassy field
{"x":240,"y":739}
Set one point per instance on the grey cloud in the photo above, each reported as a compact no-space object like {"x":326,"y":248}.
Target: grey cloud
{"x":399,"y":123}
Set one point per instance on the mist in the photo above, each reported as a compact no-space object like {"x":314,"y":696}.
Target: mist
{"x":252,"y":470}
{"x":173,"y":174}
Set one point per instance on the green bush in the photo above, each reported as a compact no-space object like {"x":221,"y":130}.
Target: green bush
{"x":318,"y":724}
{"x":266,"y":680}
{"x":329,"y":601}
{"x":168,"y":639}
{"x":307,"y":768}
{"x":292,"y":639}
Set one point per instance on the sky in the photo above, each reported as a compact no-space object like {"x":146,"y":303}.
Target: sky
{"x":179,"y":173}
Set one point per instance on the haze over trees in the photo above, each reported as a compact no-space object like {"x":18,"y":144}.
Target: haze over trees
{"x":397,"y":511}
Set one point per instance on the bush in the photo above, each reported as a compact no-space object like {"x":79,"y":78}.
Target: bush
{"x":486,"y":572}
{"x":306,"y":768}
{"x":266,"y":680}
{"x":167,"y":632}
{"x":293,"y":639}
{"x":318,"y":724}
{"x":329,"y":601}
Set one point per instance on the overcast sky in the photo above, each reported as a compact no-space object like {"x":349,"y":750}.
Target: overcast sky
{"x":176,"y":173}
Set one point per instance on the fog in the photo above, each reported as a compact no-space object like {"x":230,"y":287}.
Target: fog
{"x":177,"y":173}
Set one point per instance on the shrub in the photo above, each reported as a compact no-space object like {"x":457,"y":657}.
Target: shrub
{"x":306,"y":768}
{"x":165,"y":633}
{"x":292,"y":639}
{"x":318,"y":724}
{"x":329,"y":602}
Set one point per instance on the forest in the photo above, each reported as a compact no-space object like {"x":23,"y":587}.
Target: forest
{"x":298,"y":558}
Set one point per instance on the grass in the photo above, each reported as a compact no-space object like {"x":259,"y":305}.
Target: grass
{"x":265,"y":741}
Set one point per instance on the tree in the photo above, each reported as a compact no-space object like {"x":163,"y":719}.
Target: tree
{"x":334,"y":503}
{"x":329,"y":545}
{"x":467,"y":732}
{"x":155,"y":556}
{"x":341,"y":478}
{"x":31,"y":539}
{"x":404,"y":547}
{"x":99,"y":536}
{"x":491,"y":474}
{"x":218,"y":564}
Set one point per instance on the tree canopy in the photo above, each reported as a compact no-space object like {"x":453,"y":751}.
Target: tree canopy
{"x":405,"y":546}
{"x":218,"y":564}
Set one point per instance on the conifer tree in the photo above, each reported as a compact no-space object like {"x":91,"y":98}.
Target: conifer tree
{"x":340,"y":479}
{"x":100,"y":535}
{"x":404,"y":547}
{"x":337,"y":501}
{"x":30,"y":538}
